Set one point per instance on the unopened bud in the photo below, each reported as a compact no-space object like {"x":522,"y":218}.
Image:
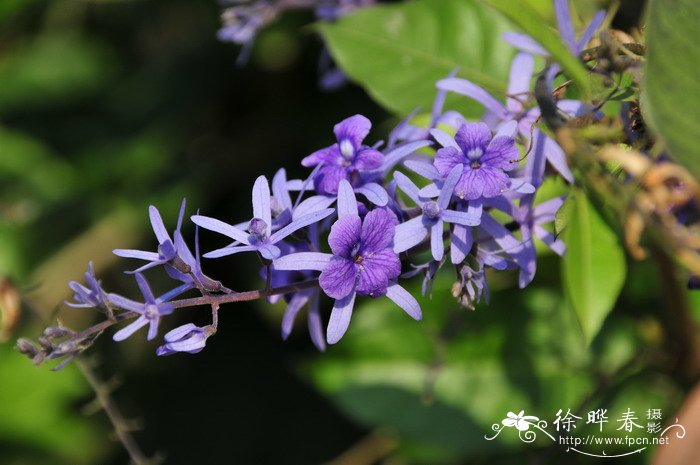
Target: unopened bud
{"x":57,"y":332}
{"x":27,"y":347}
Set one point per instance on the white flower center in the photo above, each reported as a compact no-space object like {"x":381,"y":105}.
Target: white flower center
{"x":346,"y":149}
{"x":475,"y":154}
{"x":151,"y":311}
{"x":431,"y":209}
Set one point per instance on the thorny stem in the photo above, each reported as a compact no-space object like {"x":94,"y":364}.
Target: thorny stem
{"x":115,"y":416}
{"x":102,"y":392}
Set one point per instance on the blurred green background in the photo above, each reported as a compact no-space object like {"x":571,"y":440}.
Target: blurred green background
{"x":109,"y":106}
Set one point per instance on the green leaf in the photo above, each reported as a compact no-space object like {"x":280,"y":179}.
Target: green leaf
{"x":672,"y":81}
{"x":398,"y":52}
{"x":594,"y":267}
{"x":531,"y":22}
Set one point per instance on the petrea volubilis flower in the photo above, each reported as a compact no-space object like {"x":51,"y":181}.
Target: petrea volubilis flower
{"x":258,"y":237}
{"x":565,"y":25}
{"x":244,"y":19}
{"x":315,"y":324}
{"x":150,"y":310}
{"x":297,"y":300}
{"x":345,"y":159}
{"x":167,"y":251}
{"x":471,"y":285}
{"x":186,"y":338}
{"x":92,"y":296}
{"x":195,"y":277}
{"x":433,"y":215}
{"x":533,"y":219}
{"x":366,"y":183}
{"x":281,"y":201}
{"x":520,"y":107}
{"x":363,"y":262}
{"x":485,"y":160}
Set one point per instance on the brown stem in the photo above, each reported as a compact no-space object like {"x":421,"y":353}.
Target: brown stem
{"x":243,"y":296}
{"x":680,"y":324}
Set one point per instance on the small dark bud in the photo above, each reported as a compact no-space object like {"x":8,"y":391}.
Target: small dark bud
{"x":180,"y":265}
{"x":57,"y":332}
{"x":27,"y":347}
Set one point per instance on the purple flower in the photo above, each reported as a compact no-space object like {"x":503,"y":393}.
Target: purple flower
{"x":296,"y":302}
{"x":519,"y":250}
{"x":367,"y":183}
{"x":363,"y":259}
{"x":472,"y":285}
{"x":186,"y":338}
{"x":167,"y":251}
{"x":531,"y":220}
{"x":331,"y":10}
{"x":243,"y":22}
{"x":484,"y":159}
{"x":259,"y":237}
{"x":433,"y":215}
{"x":520,"y":107}
{"x":363,"y":262}
{"x":281,"y":202}
{"x":405,"y":131}
{"x":151,"y":310}
{"x":565,"y":25}
{"x":566,"y":29}
{"x":345,"y":159}
{"x":195,"y":277}
{"x":92,"y":296}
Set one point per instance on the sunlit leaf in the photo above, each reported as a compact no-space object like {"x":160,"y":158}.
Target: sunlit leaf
{"x":398,"y":52}
{"x":672,"y":77}
{"x":594,"y":268}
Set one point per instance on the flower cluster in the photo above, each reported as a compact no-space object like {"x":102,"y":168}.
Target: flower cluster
{"x":366,"y":219}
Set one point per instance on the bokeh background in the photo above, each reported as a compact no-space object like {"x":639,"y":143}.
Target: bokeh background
{"x":107,"y":107}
